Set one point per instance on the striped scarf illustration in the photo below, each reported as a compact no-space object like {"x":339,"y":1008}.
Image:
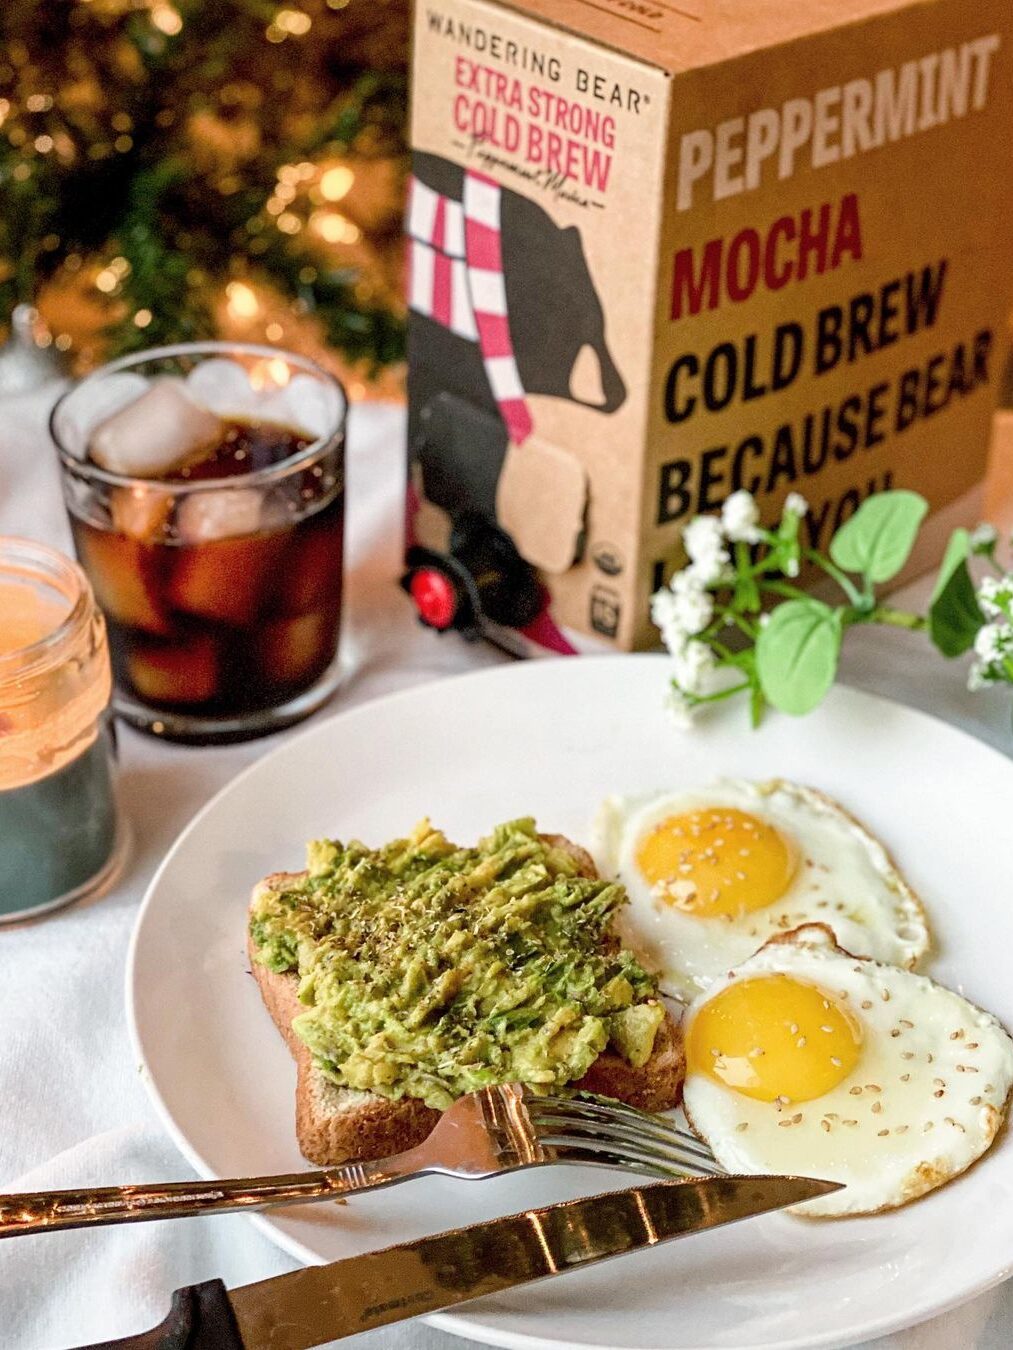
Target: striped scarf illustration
{"x":456,"y":278}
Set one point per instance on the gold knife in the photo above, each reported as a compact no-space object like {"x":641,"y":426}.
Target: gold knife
{"x":323,"y":1303}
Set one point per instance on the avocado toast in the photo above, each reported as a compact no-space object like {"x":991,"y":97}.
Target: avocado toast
{"x":405,"y":976}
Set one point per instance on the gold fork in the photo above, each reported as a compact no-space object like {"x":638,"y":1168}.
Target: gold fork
{"x":486,"y":1133}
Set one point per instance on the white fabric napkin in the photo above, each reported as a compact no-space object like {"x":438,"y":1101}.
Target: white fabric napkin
{"x":73,"y":1111}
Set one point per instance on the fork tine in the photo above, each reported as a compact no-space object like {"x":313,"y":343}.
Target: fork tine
{"x":586,"y":1158}
{"x":642,"y":1151}
{"x":623,"y":1122}
{"x":610,"y":1152}
{"x":619,"y":1133}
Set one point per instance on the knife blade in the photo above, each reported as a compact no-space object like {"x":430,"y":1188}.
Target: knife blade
{"x":323,"y":1303}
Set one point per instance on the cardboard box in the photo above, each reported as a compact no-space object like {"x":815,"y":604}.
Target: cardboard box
{"x":659,"y":251}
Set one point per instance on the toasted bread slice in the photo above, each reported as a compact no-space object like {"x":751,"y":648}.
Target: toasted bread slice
{"x":337,"y":1124}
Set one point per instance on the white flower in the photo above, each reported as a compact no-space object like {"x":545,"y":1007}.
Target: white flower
{"x":740,"y":517}
{"x":984,"y":538}
{"x":995,"y":596}
{"x":796,"y":504}
{"x":694,"y":604}
{"x":993,"y":642}
{"x":694,"y":665}
{"x":679,"y":708}
{"x":705,"y":546}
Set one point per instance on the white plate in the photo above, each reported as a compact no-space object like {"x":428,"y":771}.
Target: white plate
{"x":549,"y":738}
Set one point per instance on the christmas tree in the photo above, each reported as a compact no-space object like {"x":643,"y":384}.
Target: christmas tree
{"x":178,"y":169}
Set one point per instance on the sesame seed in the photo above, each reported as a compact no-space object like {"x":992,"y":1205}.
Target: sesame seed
{"x":825,"y":1125}
{"x":866,"y":1003}
{"x":797,"y":1118}
{"x":976,"y":1101}
{"x":905,"y":1078}
{"x":955,"y":1123}
{"x":900,"y":1129}
{"x":966,"y":1068}
{"x":895,"y":1033}
{"x":782,"y":1101}
{"x":784,"y":1123}
{"x":831,"y":1115}
{"x":885,"y":995}
{"x":971,"y":1045}
{"x":835,"y":1061}
{"x":873,"y":1087}
{"x":939,"y":1093}
{"x":855,"y":1091}
{"x":800,"y":1043}
{"x":794,"y":1028}
{"x":842,"y":993}
{"x":907,"y":1054}
{"x":905,"y":1023}
{"x":989,"y":1087}
{"x":826,"y":1028}
{"x":876,"y":1108}
{"x":955,"y":1035}
{"x":929,"y":1125}
{"x":715,"y":1052}
{"x":740,"y":876}
{"x":756,"y":1052}
{"x":930,"y":1059}
{"x":742,"y":1125}
{"x":880,"y":1133}
{"x":849,"y":1122}
{"x":939,"y":1082}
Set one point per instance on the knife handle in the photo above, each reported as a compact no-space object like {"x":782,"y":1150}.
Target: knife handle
{"x":200,"y":1318}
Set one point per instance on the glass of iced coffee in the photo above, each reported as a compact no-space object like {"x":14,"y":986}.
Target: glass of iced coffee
{"x":205,"y":486}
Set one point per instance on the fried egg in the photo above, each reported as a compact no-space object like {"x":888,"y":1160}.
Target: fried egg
{"x":806,"y":1060}
{"x":712,"y":874}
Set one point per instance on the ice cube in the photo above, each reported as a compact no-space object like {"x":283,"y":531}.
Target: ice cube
{"x":292,"y":650}
{"x":156,"y":433}
{"x":226,"y":580}
{"x":311,"y":575}
{"x":123,"y":574}
{"x":185,"y":672}
{"x":218,"y":513}
{"x":140,"y":512}
{"x":224,"y":387}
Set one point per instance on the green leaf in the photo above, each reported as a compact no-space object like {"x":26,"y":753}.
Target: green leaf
{"x":954,"y":615}
{"x":878,"y":539}
{"x":796,"y":654}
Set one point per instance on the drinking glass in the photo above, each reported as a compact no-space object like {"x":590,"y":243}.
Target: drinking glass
{"x":221,"y":580}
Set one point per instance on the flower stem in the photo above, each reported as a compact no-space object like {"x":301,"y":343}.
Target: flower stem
{"x":844,"y":581}
{"x":898,"y":618}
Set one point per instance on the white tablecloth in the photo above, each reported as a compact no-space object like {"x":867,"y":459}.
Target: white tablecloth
{"x":72,"y":1107}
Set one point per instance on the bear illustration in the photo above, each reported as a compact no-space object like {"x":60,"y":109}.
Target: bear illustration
{"x":502,"y":304}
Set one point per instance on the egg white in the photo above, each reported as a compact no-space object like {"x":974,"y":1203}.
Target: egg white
{"x":845,"y":878}
{"x":925,"y":1100}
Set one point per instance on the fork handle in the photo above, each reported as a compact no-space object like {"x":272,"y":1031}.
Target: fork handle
{"x":200,"y":1319}
{"x":49,"y":1211}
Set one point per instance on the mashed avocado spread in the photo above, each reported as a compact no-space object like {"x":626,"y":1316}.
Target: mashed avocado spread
{"x":429,"y":970}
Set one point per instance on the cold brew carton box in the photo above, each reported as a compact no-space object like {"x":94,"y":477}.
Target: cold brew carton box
{"x":662,"y":251}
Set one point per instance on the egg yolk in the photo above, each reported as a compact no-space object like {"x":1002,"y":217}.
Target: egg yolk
{"x":774,"y":1038}
{"x":717,"y":861}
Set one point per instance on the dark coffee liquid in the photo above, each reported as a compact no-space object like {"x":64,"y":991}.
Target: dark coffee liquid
{"x":58,"y":833}
{"x":225,"y":627}
{"x":244,"y":448}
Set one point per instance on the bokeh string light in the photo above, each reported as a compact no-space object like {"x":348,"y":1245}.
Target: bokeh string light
{"x":169,"y":168}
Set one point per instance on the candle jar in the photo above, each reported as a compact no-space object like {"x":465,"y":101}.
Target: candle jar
{"x":60,"y":836}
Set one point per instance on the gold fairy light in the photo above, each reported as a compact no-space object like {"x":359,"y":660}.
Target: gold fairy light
{"x":166,"y":19}
{"x":336,"y":183}
{"x":142,"y":318}
{"x":335,"y":228}
{"x":294,"y":21}
{"x":107,"y":281}
{"x":242,"y":300}
{"x":289,"y":223}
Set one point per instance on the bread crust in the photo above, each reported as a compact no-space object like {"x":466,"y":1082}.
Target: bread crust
{"x":335,"y":1125}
